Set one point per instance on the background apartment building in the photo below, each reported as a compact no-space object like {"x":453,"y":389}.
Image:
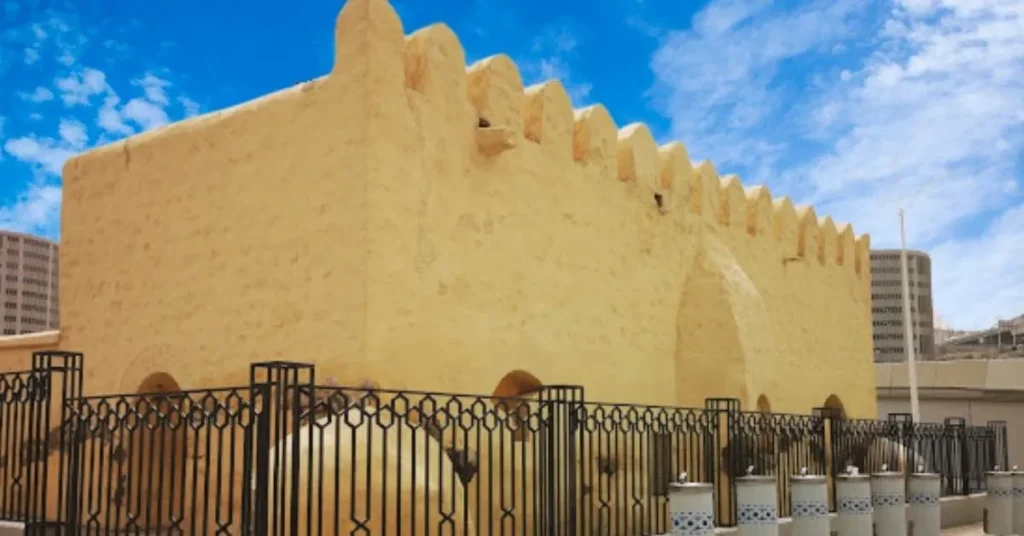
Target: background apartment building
{"x":887,"y":304}
{"x":28,"y":284}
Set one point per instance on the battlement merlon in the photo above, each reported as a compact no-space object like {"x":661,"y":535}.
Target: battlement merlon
{"x":507,"y":114}
{"x":490,"y":96}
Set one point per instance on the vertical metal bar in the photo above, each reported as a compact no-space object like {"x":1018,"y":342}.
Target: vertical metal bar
{"x":262,"y":474}
{"x":287,"y":382}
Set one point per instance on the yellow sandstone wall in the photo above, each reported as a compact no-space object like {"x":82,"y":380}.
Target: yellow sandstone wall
{"x":414,"y":222}
{"x":16,"y":351}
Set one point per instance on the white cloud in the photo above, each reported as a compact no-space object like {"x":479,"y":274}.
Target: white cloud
{"x":66,"y":58}
{"x":719,"y":78}
{"x":35,"y":211}
{"x":38,"y":31}
{"x":31,"y":56}
{"x":109,"y":118}
{"x":47,"y":153}
{"x":924,"y":105}
{"x":552,"y":52}
{"x":73,"y":133}
{"x":555,"y":68}
{"x":191,"y":107}
{"x":78,"y":88}
{"x":41,"y":94}
{"x":994,"y":255}
{"x":109,"y":113}
{"x":145,"y":113}
{"x":153,"y":87}
{"x":721,"y":16}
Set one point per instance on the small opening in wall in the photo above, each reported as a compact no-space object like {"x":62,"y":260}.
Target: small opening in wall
{"x":659,"y":200}
{"x":483,"y":123}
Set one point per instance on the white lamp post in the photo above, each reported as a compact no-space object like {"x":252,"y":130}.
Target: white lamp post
{"x":908,"y":326}
{"x":908,"y":319}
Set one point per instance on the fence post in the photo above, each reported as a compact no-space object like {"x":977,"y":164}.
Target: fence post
{"x":561,"y":405}
{"x":57,"y":379}
{"x":728,"y":442}
{"x":283,"y":387}
{"x":1001,"y":453}
{"x":956,"y":432}
{"x":831,"y":426}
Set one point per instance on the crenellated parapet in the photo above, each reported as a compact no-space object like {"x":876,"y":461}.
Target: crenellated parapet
{"x":503,"y":115}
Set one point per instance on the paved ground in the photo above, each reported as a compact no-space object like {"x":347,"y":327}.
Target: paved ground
{"x":965,"y":530}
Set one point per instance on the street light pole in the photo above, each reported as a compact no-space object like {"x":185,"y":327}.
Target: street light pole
{"x":908,"y":326}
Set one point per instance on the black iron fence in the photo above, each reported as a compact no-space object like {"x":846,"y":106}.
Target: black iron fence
{"x":287,"y":456}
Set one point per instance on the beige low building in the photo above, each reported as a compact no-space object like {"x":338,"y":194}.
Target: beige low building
{"x":977,"y":390}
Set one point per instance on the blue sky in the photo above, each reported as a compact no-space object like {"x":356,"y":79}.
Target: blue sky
{"x":855,"y":106}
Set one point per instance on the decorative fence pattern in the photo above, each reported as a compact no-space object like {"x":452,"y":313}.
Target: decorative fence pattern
{"x":286,"y":456}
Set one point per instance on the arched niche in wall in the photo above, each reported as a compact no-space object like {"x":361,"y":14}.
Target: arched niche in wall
{"x":159,"y":382}
{"x":511,"y":395}
{"x":158,"y":446}
{"x":763,"y":405}
{"x":836,"y":406}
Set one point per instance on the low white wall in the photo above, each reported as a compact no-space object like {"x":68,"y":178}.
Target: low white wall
{"x":956,"y":512}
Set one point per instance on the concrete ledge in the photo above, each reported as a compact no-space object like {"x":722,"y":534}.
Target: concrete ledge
{"x":29,"y":340}
{"x":958,"y":511}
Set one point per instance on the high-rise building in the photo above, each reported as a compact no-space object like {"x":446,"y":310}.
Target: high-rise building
{"x":887,"y":304}
{"x":28,"y":284}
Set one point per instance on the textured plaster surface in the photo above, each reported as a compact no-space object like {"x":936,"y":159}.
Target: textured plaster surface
{"x":409,"y":220}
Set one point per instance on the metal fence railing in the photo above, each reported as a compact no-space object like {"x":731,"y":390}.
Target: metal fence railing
{"x":287,"y":456}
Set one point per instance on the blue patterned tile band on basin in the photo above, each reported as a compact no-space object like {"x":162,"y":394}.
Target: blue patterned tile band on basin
{"x":1000,"y":492}
{"x":693,"y":523}
{"x":758,"y":514}
{"x":813,"y":509}
{"x":858,"y":505}
{"x":882,"y":500}
{"x":924,"y":499}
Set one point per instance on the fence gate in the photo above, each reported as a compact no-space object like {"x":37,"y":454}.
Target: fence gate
{"x":560,"y":442}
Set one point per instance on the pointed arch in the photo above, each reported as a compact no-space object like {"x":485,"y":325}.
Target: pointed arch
{"x":721,"y":320}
